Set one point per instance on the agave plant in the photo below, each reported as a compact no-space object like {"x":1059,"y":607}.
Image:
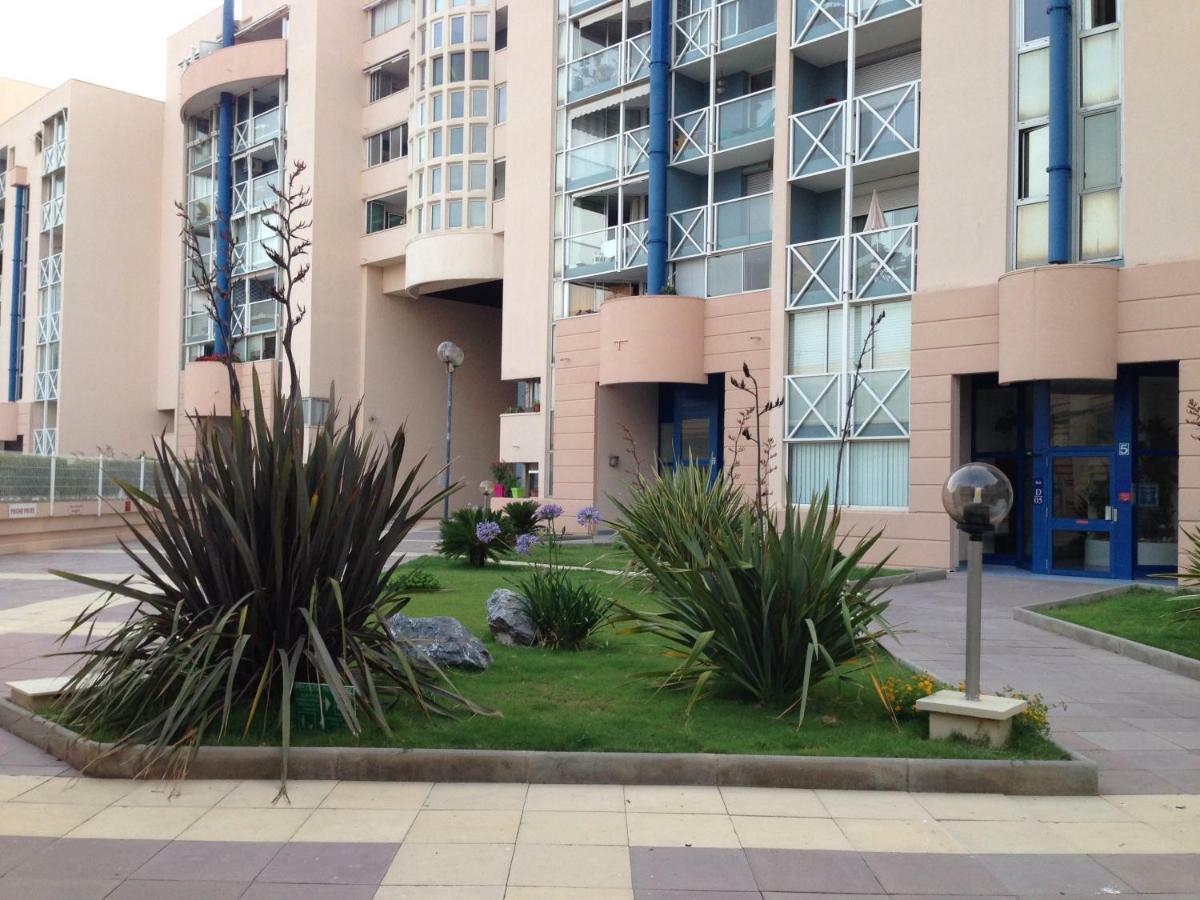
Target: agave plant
{"x":264,"y":568}
{"x":763,"y":608}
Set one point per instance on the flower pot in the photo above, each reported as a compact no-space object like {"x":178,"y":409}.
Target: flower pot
{"x":497,"y":490}
{"x":518,"y":492}
{"x":314,"y":709}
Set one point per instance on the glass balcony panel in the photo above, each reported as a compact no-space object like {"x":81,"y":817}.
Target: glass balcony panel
{"x":743,"y":21}
{"x":593,"y":163}
{"x":812,"y":406}
{"x":689,"y":138}
{"x":815,"y":273}
{"x":594,"y":74}
{"x":817,"y":140}
{"x":637,"y":152}
{"x":693,"y":36}
{"x":578,"y":6}
{"x":746,"y":120}
{"x":881,"y":404}
{"x":637,"y":58}
{"x":687,"y":234}
{"x":633,"y":244}
{"x":816,"y":19}
{"x":743,"y":222}
{"x":591,"y":254}
{"x":877,"y":9}
{"x":885,"y":262}
{"x":887,"y":122}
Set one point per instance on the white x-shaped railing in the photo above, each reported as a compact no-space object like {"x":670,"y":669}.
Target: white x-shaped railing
{"x":815,"y":19}
{"x":54,"y":156}
{"x":637,"y":58}
{"x":813,"y":406}
{"x":873,"y":412}
{"x":45,"y":385}
{"x":688,"y":233}
{"x":634,"y":252}
{"x":887,"y":122}
{"x":690,"y":139}
{"x":814,"y":273}
{"x":50,"y":270}
{"x":49,"y":328}
{"x":693,"y":37}
{"x":53,"y":212}
{"x":885,"y":262}
{"x":871,"y":10}
{"x":818,"y":137}
{"x":635,"y":159}
{"x":45,"y":441}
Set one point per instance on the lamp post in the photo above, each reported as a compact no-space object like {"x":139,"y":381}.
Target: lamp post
{"x":452,"y":355}
{"x":978,"y":497}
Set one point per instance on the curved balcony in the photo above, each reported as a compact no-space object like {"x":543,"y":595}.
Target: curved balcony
{"x":646,"y":340}
{"x":235,"y":69}
{"x":1058,"y":322}
{"x":443,"y":261}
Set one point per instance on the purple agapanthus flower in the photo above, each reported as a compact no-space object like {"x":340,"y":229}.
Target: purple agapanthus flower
{"x":487,"y":532}
{"x":549,"y":511}
{"x":526,"y":543}
{"x":588,"y":517}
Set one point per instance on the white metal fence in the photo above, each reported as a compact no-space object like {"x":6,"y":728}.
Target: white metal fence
{"x":83,"y":485}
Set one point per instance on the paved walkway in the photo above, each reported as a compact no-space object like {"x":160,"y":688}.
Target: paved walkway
{"x":1141,"y":724}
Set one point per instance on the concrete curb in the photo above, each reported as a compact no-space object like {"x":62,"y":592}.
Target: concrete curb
{"x":1077,"y":776}
{"x":1151,"y":656}
{"x":914,"y":576}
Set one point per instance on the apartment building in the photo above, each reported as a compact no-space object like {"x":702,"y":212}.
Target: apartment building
{"x":77,"y":213}
{"x":970,"y":204}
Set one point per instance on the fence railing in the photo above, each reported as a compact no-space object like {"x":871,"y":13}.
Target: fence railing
{"x":71,"y":485}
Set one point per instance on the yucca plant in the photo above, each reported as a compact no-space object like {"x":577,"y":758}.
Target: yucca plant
{"x":763,"y":607}
{"x":264,"y":567}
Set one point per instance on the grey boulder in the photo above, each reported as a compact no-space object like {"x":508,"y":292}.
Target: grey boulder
{"x":442,"y":640}
{"x":507,"y":619}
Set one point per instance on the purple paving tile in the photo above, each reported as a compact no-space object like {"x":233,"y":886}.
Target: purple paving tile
{"x":690,"y":869}
{"x":932,"y":873}
{"x":265,"y":891}
{"x":330,"y":863}
{"x":54,"y":888}
{"x":15,"y":850}
{"x":1155,"y":873}
{"x":812,"y":871}
{"x":697,"y":895}
{"x":1133,"y":781}
{"x":208,"y":861}
{"x":178,"y":890}
{"x":87,"y":858}
{"x":1059,"y":874}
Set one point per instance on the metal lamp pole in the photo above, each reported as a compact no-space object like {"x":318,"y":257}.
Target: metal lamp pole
{"x":452,"y":355}
{"x":974,"y":612}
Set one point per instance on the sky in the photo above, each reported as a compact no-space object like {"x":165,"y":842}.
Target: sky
{"x":120,"y":44}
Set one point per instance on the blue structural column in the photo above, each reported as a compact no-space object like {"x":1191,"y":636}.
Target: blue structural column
{"x":224,"y":248}
{"x":16,"y":311}
{"x":1061,"y":114}
{"x":660,"y":139}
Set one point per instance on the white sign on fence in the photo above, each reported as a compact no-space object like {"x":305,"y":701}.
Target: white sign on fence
{"x":22,"y":510}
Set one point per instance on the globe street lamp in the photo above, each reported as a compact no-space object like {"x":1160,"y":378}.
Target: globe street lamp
{"x":452,"y":356}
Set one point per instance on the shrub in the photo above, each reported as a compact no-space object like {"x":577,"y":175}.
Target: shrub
{"x":265,"y":567}
{"x":764,"y":607}
{"x":522,"y":517}
{"x":565,"y":612}
{"x":474,"y":532}
{"x":415,"y":577}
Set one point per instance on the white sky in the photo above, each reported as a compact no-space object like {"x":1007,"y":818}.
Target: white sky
{"x":120,"y":44}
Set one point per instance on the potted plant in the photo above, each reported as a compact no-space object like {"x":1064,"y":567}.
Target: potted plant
{"x":502,"y":478}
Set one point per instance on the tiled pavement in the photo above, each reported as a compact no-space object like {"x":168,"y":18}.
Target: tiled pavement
{"x":90,"y":838}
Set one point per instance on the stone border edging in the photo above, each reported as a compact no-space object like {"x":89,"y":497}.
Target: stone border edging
{"x":1077,"y":776}
{"x":1144,"y":653}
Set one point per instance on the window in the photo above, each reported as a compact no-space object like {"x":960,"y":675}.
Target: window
{"x":1098,"y":132}
{"x":456,"y":104}
{"x":454,"y":176}
{"x":456,"y":140}
{"x":479,"y":28}
{"x":389,"y":14}
{"x":439,"y":107}
{"x":387,"y":212}
{"x":435,"y":216}
{"x":501,"y":104}
{"x":435,"y":180}
{"x":437,"y":35}
{"x":437,"y":74}
{"x":435,"y":150}
{"x":387,"y":145}
{"x":389,"y":78}
{"x":458,"y":63}
{"x":1098,"y":13}
{"x":499,"y":172}
{"x":479,"y":65}
{"x":477,"y":213}
{"x":1033,"y":159}
{"x":1035,"y":21}
{"x":502,"y":28}
{"x":454,"y":214}
{"x":479,"y":138}
{"x":479,"y":98}
{"x":477,"y":176}
{"x":457,"y":30}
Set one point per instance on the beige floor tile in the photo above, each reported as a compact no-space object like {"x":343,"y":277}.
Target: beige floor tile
{"x":576,"y":797}
{"x":655,"y":799}
{"x":872,"y":805}
{"x":363,"y":826}
{"x":542,"y":827}
{"x":377,"y":795}
{"x":450,"y":864}
{"x":675,"y":830}
{"x":1150,"y":807}
{"x":787,"y":833}
{"x":742,"y":801}
{"x":554,"y":893}
{"x":465,"y":826}
{"x":12,"y":786}
{"x":1116,"y":837}
{"x":542,"y":865}
{"x":429,"y":892}
{"x":84,"y":791}
{"x":1185,"y":834}
{"x":246,"y":824}
{"x":1006,"y":837}
{"x":156,"y":823}
{"x":476,"y":796}
{"x":1071,"y":809}
{"x":196,"y":792}
{"x":43,"y":819}
{"x":265,"y":795}
{"x":971,"y":807}
{"x":898,"y":836}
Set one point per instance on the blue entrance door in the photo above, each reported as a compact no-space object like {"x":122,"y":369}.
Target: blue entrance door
{"x":691,"y":425}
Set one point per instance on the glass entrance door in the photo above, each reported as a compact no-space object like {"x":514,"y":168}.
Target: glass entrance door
{"x":1083,"y":513}
{"x":691,"y":425}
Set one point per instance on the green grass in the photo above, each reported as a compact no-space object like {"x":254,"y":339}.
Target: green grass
{"x":1143,"y":615}
{"x":591,"y":699}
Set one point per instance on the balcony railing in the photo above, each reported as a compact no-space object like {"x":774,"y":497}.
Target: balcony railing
{"x":255,"y":194}
{"x":50,"y":270}
{"x":625,"y":155}
{"x":45,"y":385}
{"x":606,"y":250}
{"x":202,"y":210}
{"x":741,"y":222}
{"x":262,"y":128}
{"x":49,"y":328}
{"x":581,"y":6}
{"x":3,"y":184}
{"x":884,"y":264}
{"x":53,"y":212}
{"x":252,"y":256}
{"x":635,"y":152}
{"x":738,"y":22}
{"x":746,"y":120}
{"x":687,"y":233}
{"x":813,"y":20}
{"x":689,"y":136}
{"x":45,"y":440}
{"x":54,"y":157}
{"x":608,"y":68}
{"x":885,"y":124}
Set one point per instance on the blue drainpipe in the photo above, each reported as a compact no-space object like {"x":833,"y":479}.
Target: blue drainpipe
{"x":1060,"y":130}
{"x":16,"y":310}
{"x":224,"y":249}
{"x":660,"y":139}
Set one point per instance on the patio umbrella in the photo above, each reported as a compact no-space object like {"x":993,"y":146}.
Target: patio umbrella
{"x":875,"y":219}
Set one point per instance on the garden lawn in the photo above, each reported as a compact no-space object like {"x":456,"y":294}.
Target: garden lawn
{"x":1141,"y":614}
{"x":590,"y":699}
